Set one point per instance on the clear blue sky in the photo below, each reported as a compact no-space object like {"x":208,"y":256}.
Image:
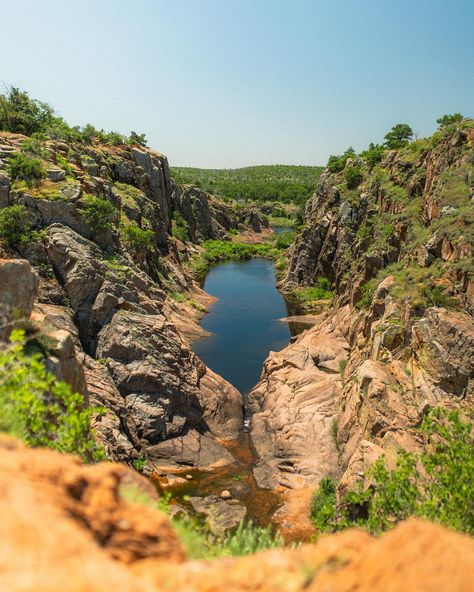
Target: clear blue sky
{"x":226,"y":83}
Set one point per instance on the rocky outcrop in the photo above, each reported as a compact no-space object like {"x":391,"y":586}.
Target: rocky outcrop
{"x":294,"y":408}
{"x":115,"y":335}
{"x":209,"y":218}
{"x":79,"y":528}
{"x":16,"y":302}
{"x":398,"y":338}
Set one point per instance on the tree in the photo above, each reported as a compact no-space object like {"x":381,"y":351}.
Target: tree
{"x":449,"y":119}
{"x":398,"y":136}
{"x":139,"y":139}
{"x":22,"y":115}
{"x":373,"y":155}
{"x":353,"y":176}
{"x":15,"y":225}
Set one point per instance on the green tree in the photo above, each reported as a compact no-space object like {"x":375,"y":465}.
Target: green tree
{"x":22,"y":115}
{"x":337,"y":163}
{"x":99,"y":214}
{"x":449,"y":119}
{"x":139,"y":139}
{"x":373,"y":155}
{"x":137,"y":239}
{"x":398,"y":136}
{"x":353,"y":176}
{"x":15,"y":225}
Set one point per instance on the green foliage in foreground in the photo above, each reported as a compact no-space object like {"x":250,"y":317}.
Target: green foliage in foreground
{"x":284,"y":183}
{"x":40,"y":409}
{"x":15,"y":225}
{"x":199,"y":542}
{"x":216,"y":251}
{"x":437,"y":485}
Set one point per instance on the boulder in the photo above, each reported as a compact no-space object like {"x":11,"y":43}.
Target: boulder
{"x":19,"y":283}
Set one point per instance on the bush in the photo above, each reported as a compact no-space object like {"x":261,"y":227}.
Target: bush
{"x":24,"y":167}
{"x":284,"y":240}
{"x":353,"y":176}
{"x":336,"y":164}
{"x":323,"y":505}
{"x":139,"y":139}
{"x":437,"y":485}
{"x":21,"y":115}
{"x":15,"y":225}
{"x":99,"y":214}
{"x":449,"y":119}
{"x":398,"y":136}
{"x":179,"y":227}
{"x":373,"y":155}
{"x":137,"y":239}
{"x":40,"y":409}
{"x":249,"y":538}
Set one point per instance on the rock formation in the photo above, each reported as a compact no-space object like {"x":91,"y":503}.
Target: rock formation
{"x":121,"y":340}
{"x":79,"y":528}
{"x":398,"y":338}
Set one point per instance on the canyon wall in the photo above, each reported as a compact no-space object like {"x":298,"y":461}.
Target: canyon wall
{"x":109,"y":295}
{"x":399,"y":336}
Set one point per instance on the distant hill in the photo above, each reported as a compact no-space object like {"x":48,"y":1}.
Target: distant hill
{"x":285,"y":183}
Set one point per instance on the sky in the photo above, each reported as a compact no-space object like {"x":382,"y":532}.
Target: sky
{"x":230,"y":83}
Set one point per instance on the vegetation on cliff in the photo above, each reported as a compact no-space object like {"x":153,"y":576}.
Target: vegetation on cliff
{"x":437,"y":485}
{"x":280,"y":183}
{"x":21,"y":114}
{"x":39,"y":408}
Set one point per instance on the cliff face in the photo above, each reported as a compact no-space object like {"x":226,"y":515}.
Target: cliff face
{"x":399,"y":337}
{"x":108,"y":293}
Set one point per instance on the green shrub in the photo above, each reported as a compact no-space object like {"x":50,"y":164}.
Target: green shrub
{"x":367,"y":293}
{"x":40,"y":409}
{"x":22,"y":115}
{"x":284,"y":240}
{"x":139,"y":139}
{"x":137,"y":239}
{"x":99,"y":214}
{"x":179,"y":227}
{"x":435,"y":296}
{"x":437,"y":485}
{"x":249,"y":538}
{"x":373,"y":155}
{"x":21,"y":166}
{"x":323,"y":505}
{"x":353,"y":176}
{"x":449,"y":119}
{"x":15,"y":225}
{"x":336,"y":164}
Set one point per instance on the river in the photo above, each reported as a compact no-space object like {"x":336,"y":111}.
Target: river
{"x":243,"y":323}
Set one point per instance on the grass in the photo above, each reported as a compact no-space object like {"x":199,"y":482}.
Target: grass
{"x":217,"y":251}
{"x":45,"y":189}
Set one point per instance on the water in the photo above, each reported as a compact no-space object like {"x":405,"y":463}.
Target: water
{"x":282,"y":229}
{"x":243,"y":322}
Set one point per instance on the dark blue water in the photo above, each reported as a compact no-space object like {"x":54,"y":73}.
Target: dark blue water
{"x":244,"y":321}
